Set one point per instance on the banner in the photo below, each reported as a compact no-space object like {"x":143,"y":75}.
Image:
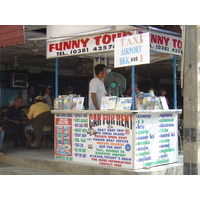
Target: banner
{"x":84,"y":45}
{"x":105,"y":42}
{"x":164,"y":43}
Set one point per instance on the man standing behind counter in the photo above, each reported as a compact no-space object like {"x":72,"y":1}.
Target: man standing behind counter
{"x":97,"y":88}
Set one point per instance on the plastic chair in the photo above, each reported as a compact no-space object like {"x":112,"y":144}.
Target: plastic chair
{"x":43,"y":124}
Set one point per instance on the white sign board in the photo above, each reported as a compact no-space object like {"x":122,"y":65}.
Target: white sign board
{"x":105,"y":42}
{"x":117,"y":140}
{"x":132,"y":50}
{"x":156,"y":139}
{"x":100,"y":139}
{"x":84,"y":45}
{"x":164,"y":43}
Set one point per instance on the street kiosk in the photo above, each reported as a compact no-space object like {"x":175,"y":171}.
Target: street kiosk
{"x":131,"y":139}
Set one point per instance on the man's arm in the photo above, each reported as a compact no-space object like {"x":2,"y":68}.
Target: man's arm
{"x":94,"y":100}
{"x":11,"y":120}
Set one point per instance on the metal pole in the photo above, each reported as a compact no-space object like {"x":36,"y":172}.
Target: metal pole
{"x":56,"y":77}
{"x":133,"y":87}
{"x":175,"y":82}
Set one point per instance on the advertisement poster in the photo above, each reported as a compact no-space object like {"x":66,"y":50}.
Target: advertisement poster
{"x":100,"y":139}
{"x":124,"y":141}
{"x":156,"y":140}
{"x":63,"y":139}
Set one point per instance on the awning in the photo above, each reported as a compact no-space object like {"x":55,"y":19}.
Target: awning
{"x":11,"y":35}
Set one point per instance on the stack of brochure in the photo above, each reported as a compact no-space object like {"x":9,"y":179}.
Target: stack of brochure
{"x":125,"y":103}
{"x":114,"y":103}
{"x":65,"y":102}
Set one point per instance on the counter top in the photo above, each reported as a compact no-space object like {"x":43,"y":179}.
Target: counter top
{"x":120,"y":112}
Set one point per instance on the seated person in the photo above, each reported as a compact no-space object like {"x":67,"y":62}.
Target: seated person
{"x":2,"y":133}
{"x":13,"y":116}
{"x":35,"y":109}
{"x":47,"y":97}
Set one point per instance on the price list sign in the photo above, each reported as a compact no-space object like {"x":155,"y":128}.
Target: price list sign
{"x":156,"y":140}
{"x":109,"y":139}
{"x":63,"y":138}
{"x":80,"y":126}
{"x":100,"y":139}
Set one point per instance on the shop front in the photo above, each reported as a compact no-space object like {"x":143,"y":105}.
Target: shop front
{"x":124,"y":138}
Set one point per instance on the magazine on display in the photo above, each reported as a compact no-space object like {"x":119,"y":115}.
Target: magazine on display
{"x":164,"y":103}
{"x":124,"y":103}
{"x":108,"y":102}
{"x":74,"y":102}
{"x":79,"y":103}
{"x":67,"y":103}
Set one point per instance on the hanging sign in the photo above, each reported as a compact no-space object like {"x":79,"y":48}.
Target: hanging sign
{"x":132,"y":50}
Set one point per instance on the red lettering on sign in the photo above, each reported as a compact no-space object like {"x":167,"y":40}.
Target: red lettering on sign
{"x":75,"y":44}
{"x":106,"y":39}
{"x":117,"y":117}
{"x":104,"y":117}
{"x":59,"y":46}
{"x":51,"y":47}
{"x":177,"y":43}
{"x":67,"y":45}
{"x":160,"y":39}
{"x":99,"y":117}
{"x":153,"y":38}
{"x":97,"y":40}
{"x":112,"y":117}
{"x":84,"y":42}
{"x":166,"y":41}
{"x":157,"y":39}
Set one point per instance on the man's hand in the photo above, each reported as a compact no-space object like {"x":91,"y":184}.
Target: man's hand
{"x":16,"y":122}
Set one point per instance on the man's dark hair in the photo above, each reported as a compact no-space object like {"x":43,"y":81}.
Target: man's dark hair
{"x":17,"y":98}
{"x":99,"y":68}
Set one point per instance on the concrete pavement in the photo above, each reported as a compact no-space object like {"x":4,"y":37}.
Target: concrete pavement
{"x":30,"y":161}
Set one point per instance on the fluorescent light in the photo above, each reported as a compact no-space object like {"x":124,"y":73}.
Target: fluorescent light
{"x":112,"y":28}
